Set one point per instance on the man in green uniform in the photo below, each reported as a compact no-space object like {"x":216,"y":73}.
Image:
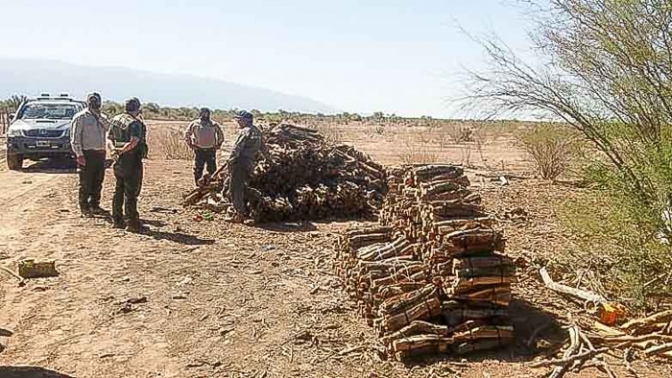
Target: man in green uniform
{"x":128,"y":133}
{"x":241,"y":163}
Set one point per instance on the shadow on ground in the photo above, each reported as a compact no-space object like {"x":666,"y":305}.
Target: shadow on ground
{"x":154,"y":223}
{"x":288,"y":227}
{"x":150,"y":222}
{"x":56,"y":166}
{"x":29,"y":372}
{"x":177,"y":237}
{"x":538,"y":332}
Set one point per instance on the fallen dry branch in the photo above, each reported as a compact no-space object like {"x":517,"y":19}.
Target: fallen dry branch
{"x":582,"y":353}
{"x":643,"y":325}
{"x":636,"y":339}
{"x":564,"y":289}
{"x":568,"y":361}
{"x":658,"y":350}
{"x":575,"y":357}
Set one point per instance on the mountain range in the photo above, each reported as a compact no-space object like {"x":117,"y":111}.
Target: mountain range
{"x":32,"y":77}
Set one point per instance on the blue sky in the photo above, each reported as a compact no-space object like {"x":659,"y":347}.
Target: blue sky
{"x":395,"y":56}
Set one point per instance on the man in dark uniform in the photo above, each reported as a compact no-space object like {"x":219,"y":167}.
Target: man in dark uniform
{"x":129,"y":135}
{"x":241,"y":163}
{"x":205,"y":138}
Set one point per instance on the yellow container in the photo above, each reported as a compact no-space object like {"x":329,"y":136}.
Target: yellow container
{"x":34,"y":269}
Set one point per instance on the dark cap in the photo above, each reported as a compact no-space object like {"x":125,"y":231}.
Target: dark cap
{"x":204,"y":110}
{"x":132,"y":105}
{"x":244,"y":115}
{"x":93,"y":95}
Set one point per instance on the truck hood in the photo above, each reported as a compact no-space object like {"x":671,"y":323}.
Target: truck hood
{"x":39,"y":124}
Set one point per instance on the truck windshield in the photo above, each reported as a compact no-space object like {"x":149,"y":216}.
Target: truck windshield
{"x":49,"y":111}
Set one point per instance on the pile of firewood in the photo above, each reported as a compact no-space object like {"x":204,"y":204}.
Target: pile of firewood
{"x":304,"y":178}
{"x":431,"y":279}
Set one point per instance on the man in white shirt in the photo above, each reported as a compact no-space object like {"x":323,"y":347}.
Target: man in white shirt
{"x":88,"y":139}
{"x":205,"y":138}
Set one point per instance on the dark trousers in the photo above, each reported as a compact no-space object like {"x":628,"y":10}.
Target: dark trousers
{"x":127,"y":190}
{"x":204,"y":156}
{"x":239,"y":175}
{"x":91,"y":178}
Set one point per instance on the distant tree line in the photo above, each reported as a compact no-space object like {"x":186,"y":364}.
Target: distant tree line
{"x":152,"y":110}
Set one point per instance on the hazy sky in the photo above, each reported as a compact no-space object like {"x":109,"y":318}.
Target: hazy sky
{"x":396,"y":56}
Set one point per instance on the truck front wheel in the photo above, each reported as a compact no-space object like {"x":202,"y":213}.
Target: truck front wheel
{"x":14,"y":162}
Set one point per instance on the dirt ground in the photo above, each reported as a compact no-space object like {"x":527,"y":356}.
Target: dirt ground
{"x":209,"y":299}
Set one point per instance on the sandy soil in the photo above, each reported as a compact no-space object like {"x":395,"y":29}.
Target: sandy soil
{"x":209,"y":299}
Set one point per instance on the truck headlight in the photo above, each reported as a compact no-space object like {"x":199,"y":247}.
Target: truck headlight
{"x":14,"y":132}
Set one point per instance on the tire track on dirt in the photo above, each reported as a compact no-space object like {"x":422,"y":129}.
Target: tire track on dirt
{"x":75,"y":314}
{"x":18,"y":188}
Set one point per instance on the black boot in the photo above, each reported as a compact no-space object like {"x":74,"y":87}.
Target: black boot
{"x":134,"y":226}
{"x":119,"y":223}
{"x":97,"y":210}
{"x":85,"y":212}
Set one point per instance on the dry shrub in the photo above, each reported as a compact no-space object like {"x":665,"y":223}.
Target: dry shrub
{"x":414,"y":154}
{"x":442,"y":137}
{"x":460,"y":133}
{"x":425,"y":134}
{"x":375,"y":130}
{"x":465,"y":152}
{"x":169,"y":144}
{"x":552,"y":147}
{"x":484,"y":133}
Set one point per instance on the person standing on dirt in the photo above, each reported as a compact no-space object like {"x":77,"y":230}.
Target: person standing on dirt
{"x":241,"y":163}
{"x":87,"y":138}
{"x":205,"y":138}
{"x":129,"y":135}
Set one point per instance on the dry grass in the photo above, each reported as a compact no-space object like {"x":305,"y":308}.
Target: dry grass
{"x":168,"y":143}
{"x":425,"y":135}
{"x":460,"y":133}
{"x":331,"y":132}
{"x":417,"y":154}
{"x":465,"y":152}
{"x":442,"y":137}
{"x":376,"y":130}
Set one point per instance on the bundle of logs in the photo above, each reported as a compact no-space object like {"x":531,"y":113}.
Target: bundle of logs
{"x":303,"y":178}
{"x":431,"y":278}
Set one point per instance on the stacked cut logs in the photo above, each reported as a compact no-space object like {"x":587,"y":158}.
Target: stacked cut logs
{"x":304,"y":178}
{"x":432,"y":278}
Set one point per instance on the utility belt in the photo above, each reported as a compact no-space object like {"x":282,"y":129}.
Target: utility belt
{"x":141,"y":149}
{"x":94,"y":152}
